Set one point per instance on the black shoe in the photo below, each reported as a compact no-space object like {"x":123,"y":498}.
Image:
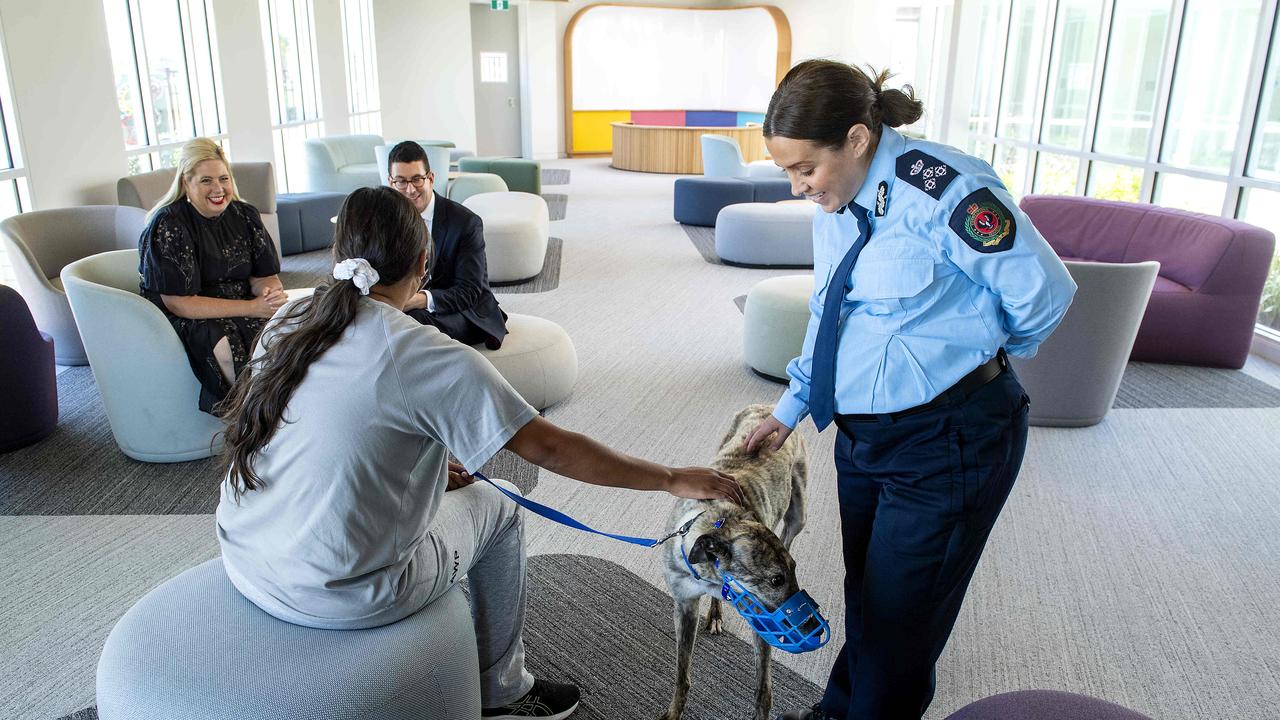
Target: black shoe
{"x":547,"y":700}
{"x":814,"y":713}
{"x":493,"y":343}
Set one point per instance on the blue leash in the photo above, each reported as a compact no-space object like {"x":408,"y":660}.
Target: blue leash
{"x":557,"y":516}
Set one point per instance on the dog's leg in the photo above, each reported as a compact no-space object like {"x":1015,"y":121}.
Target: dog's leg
{"x":793,"y":520}
{"x":764,"y":680}
{"x":686,"y":616}
{"x":715,"y":622}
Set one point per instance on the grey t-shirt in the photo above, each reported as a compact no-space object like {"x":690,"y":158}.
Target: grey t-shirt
{"x":354,"y":473}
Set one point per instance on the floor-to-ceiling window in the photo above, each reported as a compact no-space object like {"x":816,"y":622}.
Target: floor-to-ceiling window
{"x":288,"y":28}
{"x":164,"y":59}
{"x":362,"y":67}
{"x":15,"y":194}
{"x":1173,"y":102}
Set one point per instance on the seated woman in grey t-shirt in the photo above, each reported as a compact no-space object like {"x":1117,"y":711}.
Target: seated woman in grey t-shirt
{"x":335,"y":511}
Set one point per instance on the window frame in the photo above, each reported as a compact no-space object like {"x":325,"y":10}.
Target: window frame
{"x":149,"y":155}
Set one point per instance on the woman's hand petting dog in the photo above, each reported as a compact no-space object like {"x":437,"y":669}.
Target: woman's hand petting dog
{"x":699,"y":483}
{"x":762,"y":432}
{"x":458,"y":477}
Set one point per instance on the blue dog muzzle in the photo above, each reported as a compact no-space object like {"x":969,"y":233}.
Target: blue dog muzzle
{"x":784,"y":628}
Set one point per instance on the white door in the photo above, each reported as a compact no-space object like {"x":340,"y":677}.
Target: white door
{"x":495,"y":46}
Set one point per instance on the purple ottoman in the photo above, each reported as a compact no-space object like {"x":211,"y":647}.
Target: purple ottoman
{"x":1212,"y":270}
{"x":1043,"y":705}
{"x":28,"y":378}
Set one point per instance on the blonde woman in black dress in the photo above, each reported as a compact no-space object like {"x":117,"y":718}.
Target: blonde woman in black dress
{"x":208,"y":263}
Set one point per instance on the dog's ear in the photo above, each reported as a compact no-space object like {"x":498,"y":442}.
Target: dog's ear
{"x":707,"y":547}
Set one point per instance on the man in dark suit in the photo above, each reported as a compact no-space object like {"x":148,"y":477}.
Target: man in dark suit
{"x":456,"y":298}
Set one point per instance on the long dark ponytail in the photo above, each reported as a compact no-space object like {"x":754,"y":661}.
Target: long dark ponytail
{"x":820,"y":100}
{"x":377,"y":224}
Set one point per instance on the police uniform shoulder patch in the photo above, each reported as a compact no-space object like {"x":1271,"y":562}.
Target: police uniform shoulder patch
{"x":984,"y":223}
{"x":927,"y":173}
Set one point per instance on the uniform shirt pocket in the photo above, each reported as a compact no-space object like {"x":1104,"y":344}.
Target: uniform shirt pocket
{"x":883,"y":287}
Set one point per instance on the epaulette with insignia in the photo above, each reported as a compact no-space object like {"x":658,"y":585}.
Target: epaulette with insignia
{"x":927,"y":173}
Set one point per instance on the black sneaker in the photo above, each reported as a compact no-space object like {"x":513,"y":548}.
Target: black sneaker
{"x":548,"y":700}
{"x":814,"y":713}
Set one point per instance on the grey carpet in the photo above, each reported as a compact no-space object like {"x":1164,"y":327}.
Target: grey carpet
{"x":78,"y":470}
{"x":555,"y":176}
{"x":557,"y":205}
{"x":595,"y":623}
{"x":548,"y":279}
{"x":306,"y":270}
{"x":1155,"y":385}
{"x":704,"y":239}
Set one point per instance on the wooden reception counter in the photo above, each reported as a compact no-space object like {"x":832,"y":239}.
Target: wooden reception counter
{"x":661,"y":149}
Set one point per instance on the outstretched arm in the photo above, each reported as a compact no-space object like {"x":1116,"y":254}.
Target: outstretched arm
{"x":577,"y":456}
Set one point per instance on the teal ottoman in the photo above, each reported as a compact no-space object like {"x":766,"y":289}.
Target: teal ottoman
{"x":519,"y":174}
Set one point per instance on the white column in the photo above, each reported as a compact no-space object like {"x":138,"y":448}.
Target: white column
{"x":245,"y":91}
{"x":331,"y":54}
{"x":64,"y":96}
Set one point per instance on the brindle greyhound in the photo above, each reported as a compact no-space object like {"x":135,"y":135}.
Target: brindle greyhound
{"x":726,"y":537}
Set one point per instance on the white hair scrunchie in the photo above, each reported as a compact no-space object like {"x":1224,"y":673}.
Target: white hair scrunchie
{"x":358,"y":271}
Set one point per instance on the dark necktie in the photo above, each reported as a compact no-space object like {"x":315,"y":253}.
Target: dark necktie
{"x":822,"y":385}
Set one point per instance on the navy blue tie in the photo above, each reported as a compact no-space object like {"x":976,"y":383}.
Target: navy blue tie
{"x":822,"y":384}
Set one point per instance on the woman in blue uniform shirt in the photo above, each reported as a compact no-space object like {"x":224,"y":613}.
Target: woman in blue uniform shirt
{"x":925,"y":274}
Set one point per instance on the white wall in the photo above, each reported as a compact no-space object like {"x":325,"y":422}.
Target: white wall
{"x":425,"y":70}
{"x":63,"y":93}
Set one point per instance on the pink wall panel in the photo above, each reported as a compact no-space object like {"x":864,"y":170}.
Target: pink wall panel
{"x":673,"y":118}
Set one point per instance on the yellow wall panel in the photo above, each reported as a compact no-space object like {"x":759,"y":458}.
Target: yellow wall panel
{"x":592,"y":132}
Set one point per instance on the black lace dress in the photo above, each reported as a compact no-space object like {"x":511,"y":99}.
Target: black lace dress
{"x":184,"y":253}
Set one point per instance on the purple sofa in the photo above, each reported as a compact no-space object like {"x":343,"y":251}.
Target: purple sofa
{"x":1205,"y":301}
{"x":1043,"y":705}
{"x":28,"y":378}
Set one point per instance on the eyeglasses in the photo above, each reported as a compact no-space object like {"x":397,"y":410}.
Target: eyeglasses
{"x":417,"y":181}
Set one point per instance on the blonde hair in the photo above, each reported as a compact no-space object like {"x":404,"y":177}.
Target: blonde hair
{"x":194,"y":153}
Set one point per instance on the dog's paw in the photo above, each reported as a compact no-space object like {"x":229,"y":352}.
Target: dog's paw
{"x":714,"y":626}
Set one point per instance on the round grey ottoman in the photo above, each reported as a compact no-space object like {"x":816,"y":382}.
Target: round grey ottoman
{"x":1044,"y":705}
{"x":537,"y":358}
{"x":516,"y":228}
{"x":194,"y":648}
{"x":774,"y":321}
{"x":766,"y":234}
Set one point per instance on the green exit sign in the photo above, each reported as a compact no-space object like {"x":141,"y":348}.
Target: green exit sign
{"x":499,"y":4}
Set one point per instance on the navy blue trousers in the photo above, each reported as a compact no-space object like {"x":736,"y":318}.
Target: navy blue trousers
{"x":918,"y":499}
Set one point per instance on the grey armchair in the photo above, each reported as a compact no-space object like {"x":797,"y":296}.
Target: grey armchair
{"x":139,"y":364}
{"x":342,"y":163}
{"x":42,"y":242}
{"x":255,"y":184}
{"x":1072,"y":381}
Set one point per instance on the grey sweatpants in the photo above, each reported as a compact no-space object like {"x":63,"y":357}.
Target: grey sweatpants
{"x":479,"y":532}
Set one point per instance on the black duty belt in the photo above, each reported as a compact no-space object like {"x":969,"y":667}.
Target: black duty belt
{"x":966,"y":386}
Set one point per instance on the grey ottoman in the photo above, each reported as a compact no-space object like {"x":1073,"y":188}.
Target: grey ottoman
{"x":774,"y":321}
{"x":194,"y":648}
{"x":766,"y":234}
{"x":537,"y":358}
{"x":517,"y":226}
